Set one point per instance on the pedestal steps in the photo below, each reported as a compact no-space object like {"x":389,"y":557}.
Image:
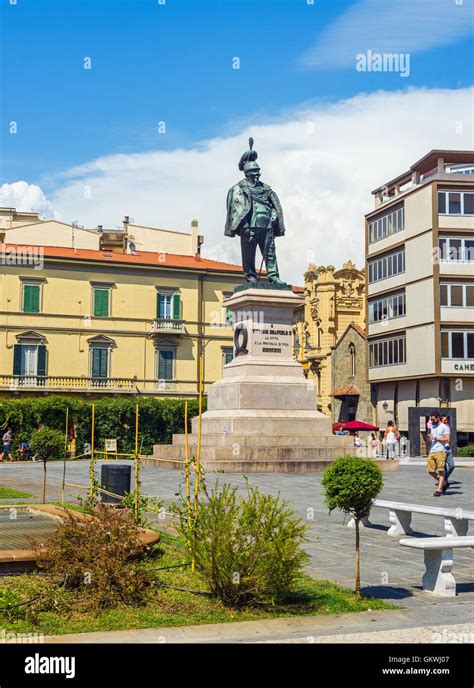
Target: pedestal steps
{"x":261,"y":466}
{"x":272,"y":466}
{"x":243,"y":452}
{"x":254,"y":453}
{"x":264,"y":422}
{"x":261,"y":440}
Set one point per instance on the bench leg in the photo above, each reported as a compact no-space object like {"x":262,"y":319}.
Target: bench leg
{"x":401,"y":523}
{"x":364,"y":523}
{"x":438,"y":578}
{"x":457,"y":527}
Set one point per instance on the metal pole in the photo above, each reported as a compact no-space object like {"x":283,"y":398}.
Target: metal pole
{"x":91,"y":465}
{"x":136,"y":463}
{"x":65,"y":451}
{"x":198,"y":453}
{"x":188,"y":492}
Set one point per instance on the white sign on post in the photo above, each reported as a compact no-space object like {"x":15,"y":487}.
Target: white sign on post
{"x":111,"y":445}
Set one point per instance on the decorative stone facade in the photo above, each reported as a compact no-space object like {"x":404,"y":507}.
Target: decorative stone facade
{"x":333,"y":300}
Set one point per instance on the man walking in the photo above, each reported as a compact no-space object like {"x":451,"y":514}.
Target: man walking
{"x":439,"y":436}
{"x":449,"y":466}
{"x":7,"y":443}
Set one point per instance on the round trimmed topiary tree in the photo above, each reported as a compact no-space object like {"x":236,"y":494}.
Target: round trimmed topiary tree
{"x":351,"y":484}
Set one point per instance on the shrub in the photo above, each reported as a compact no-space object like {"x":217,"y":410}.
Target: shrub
{"x":248,"y":549}
{"x":466,"y":452}
{"x":351,"y":484}
{"x":97,"y":558}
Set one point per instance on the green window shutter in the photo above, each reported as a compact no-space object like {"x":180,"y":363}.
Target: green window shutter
{"x":41,"y":369}
{"x":99,"y":362}
{"x":95,"y":362}
{"x":97,"y":302}
{"x":31,"y":298}
{"x":160,"y":306}
{"x":165,"y":365}
{"x":104,"y":363}
{"x":101,"y":303}
{"x":176,"y":307}
{"x":17,"y":359}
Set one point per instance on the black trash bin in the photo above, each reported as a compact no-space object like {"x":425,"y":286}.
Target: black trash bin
{"x":115,"y":478}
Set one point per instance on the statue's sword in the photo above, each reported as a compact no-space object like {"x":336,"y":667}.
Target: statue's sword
{"x":268,"y":240}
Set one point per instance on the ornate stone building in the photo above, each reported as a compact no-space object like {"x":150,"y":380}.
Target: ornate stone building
{"x":333,"y":300}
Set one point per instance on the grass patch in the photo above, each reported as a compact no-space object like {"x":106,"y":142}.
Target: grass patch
{"x":11,"y":493}
{"x":72,"y":506}
{"x":170,"y":606}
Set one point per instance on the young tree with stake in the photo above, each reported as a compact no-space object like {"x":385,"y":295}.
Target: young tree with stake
{"x":46,"y":444}
{"x":351,"y":484}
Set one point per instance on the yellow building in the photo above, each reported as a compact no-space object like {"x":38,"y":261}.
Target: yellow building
{"x":105,"y":321}
{"x":28,"y":228}
{"x":333,"y":300}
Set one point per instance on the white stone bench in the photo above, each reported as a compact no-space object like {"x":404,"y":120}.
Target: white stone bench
{"x":438,"y":552}
{"x":456,"y":521}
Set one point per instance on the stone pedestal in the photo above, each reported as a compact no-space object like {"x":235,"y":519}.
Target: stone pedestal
{"x":262,"y":414}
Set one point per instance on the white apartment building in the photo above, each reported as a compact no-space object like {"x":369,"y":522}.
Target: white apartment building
{"x":420,"y":294}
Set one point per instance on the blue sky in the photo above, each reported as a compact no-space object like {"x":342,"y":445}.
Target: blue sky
{"x":87,"y":148}
{"x":173,"y":63}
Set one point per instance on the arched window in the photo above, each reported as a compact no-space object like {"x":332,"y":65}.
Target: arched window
{"x":352,"y":354}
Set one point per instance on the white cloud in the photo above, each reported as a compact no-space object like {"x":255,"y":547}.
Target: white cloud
{"x":322,"y":160}
{"x":402,"y":26}
{"x":25,"y":197}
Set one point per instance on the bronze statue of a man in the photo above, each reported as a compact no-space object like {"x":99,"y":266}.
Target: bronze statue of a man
{"x":255,"y":214}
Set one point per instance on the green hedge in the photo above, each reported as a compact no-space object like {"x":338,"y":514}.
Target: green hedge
{"x":158,"y":419}
{"x":466,"y":452}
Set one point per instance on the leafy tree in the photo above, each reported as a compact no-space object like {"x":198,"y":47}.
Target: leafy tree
{"x":351,"y":484}
{"x":47,"y":444}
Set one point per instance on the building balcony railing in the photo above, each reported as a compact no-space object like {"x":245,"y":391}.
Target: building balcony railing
{"x":52,"y":382}
{"x":167,"y":326}
{"x":62,"y":383}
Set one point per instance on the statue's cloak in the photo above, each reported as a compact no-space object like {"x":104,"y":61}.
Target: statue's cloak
{"x":239,"y":206}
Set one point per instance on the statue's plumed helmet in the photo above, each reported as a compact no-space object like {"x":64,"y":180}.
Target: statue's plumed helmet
{"x":251,"y":166}
{"x":247,"y":161}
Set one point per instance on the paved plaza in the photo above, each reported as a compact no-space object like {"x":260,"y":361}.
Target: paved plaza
{"x":388,"y":570}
